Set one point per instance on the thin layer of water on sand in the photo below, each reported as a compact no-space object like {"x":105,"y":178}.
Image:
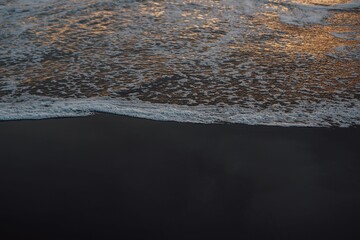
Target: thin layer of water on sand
{"x":257,"y":62}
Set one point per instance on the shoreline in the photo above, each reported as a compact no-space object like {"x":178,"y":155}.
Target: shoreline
{"x":107,"y":176}
{"x":270,"y":125}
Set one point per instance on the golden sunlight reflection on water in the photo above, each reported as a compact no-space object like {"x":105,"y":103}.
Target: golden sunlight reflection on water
{"x":194,"y":52}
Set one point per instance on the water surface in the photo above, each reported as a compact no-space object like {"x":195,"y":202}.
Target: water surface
{"x":279,"y":62}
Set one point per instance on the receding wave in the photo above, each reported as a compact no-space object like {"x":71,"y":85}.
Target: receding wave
{"x":289,"y":63}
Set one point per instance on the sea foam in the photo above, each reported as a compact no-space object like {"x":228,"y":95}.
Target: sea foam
{"x":309,"y":115}
{"x":286,"y":62}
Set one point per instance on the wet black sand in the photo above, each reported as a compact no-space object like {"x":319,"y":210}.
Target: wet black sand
{"x":111,"y":177}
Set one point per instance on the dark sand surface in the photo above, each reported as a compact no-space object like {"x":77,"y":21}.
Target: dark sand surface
{"x":111,"y":177}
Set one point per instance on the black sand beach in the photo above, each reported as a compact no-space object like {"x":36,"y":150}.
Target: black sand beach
{"x":112,"y":177}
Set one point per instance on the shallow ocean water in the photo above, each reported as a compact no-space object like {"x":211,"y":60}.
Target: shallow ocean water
{"x":278,"y":62}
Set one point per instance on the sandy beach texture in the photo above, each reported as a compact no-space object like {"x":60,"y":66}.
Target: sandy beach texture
{"x":112,"y":177}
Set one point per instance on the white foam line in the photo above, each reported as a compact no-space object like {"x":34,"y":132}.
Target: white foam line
{"x":302,"y":14}
{"x":305,"y":114}
{"x":336,"y":7}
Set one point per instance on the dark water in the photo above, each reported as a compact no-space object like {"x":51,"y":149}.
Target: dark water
{"x":277,"y":62}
